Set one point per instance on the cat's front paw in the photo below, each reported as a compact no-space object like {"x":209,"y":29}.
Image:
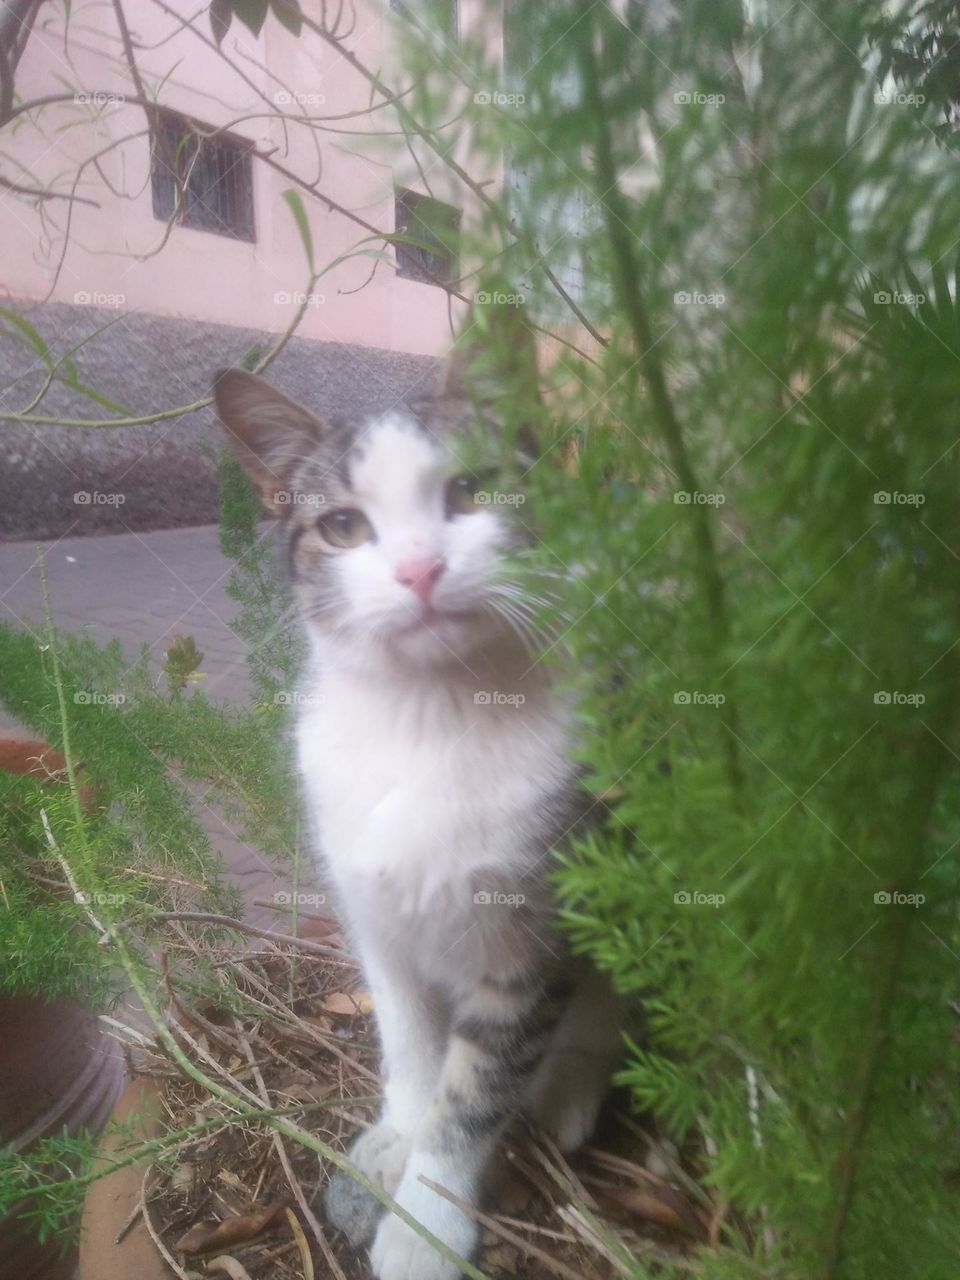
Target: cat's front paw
{"x":398,"y":1253}
{"x":381,"y":1153}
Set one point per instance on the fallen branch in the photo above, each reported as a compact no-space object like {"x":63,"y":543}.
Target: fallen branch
{"x":282,"y":939}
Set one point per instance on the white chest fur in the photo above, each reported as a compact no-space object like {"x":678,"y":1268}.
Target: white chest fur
{"x":417,"y":785}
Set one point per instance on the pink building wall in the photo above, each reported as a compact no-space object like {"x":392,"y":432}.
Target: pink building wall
{"x":115,"y":254}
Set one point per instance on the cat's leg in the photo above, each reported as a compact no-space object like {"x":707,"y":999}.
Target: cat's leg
{"x":570,"y":1084}
{"x":412,"y":1035}
{"x":498,"y":1037}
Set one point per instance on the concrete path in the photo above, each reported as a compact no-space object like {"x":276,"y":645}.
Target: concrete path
{"x":145,"y":589}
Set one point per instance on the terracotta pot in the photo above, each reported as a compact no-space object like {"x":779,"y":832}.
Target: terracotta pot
{"x":58,"y":1073}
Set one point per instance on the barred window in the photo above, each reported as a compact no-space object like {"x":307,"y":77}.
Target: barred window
{"x":435,"y":259}
{"x":212,"y":174}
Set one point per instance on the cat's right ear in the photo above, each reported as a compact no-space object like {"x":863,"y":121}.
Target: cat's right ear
{"x":267,"y":431}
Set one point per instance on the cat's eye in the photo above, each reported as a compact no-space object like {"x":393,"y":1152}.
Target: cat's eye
{"x":347,"y":527}
{"x":462,"y":496}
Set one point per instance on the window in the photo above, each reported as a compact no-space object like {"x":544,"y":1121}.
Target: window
{"x":212,"y":174}
{"x":437,"y":228}
{"x":443,"y":16}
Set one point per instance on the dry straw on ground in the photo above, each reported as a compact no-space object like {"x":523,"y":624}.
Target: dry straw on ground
{"x":295,"y":1031}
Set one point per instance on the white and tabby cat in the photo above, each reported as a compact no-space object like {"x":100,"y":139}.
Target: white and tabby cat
{"x":435,"y":752}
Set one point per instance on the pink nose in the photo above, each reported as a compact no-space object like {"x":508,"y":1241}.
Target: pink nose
{"x":420,"y":575}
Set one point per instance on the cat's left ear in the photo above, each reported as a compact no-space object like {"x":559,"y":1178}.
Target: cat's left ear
{"x":268,"y":432}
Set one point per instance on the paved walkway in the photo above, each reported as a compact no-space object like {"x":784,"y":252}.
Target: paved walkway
{"x":145,"y":589}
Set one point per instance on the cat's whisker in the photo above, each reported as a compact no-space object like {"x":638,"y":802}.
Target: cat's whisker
{"x":532,"y":608}
{"x":518,"y":623}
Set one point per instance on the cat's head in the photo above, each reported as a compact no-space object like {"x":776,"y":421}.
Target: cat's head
{"x":402,"y":530}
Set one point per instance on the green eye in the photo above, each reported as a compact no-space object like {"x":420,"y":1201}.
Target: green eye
{"x":461,"y":497}
{"x":345,"y":528}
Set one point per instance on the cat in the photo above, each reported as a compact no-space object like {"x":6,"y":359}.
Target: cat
{"x":436,"y":755}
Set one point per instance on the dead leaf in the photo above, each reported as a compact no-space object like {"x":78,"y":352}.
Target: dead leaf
{"x":318,"y":1092}
{"x":348,"y":1004}
{"x":319,"y":1020}
{"x":667,"y":1206}
{"x":231,"y":1231}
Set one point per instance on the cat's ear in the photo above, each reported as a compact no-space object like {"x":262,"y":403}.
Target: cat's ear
{"x":268,"y":432}
{"x":495,"y":353}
